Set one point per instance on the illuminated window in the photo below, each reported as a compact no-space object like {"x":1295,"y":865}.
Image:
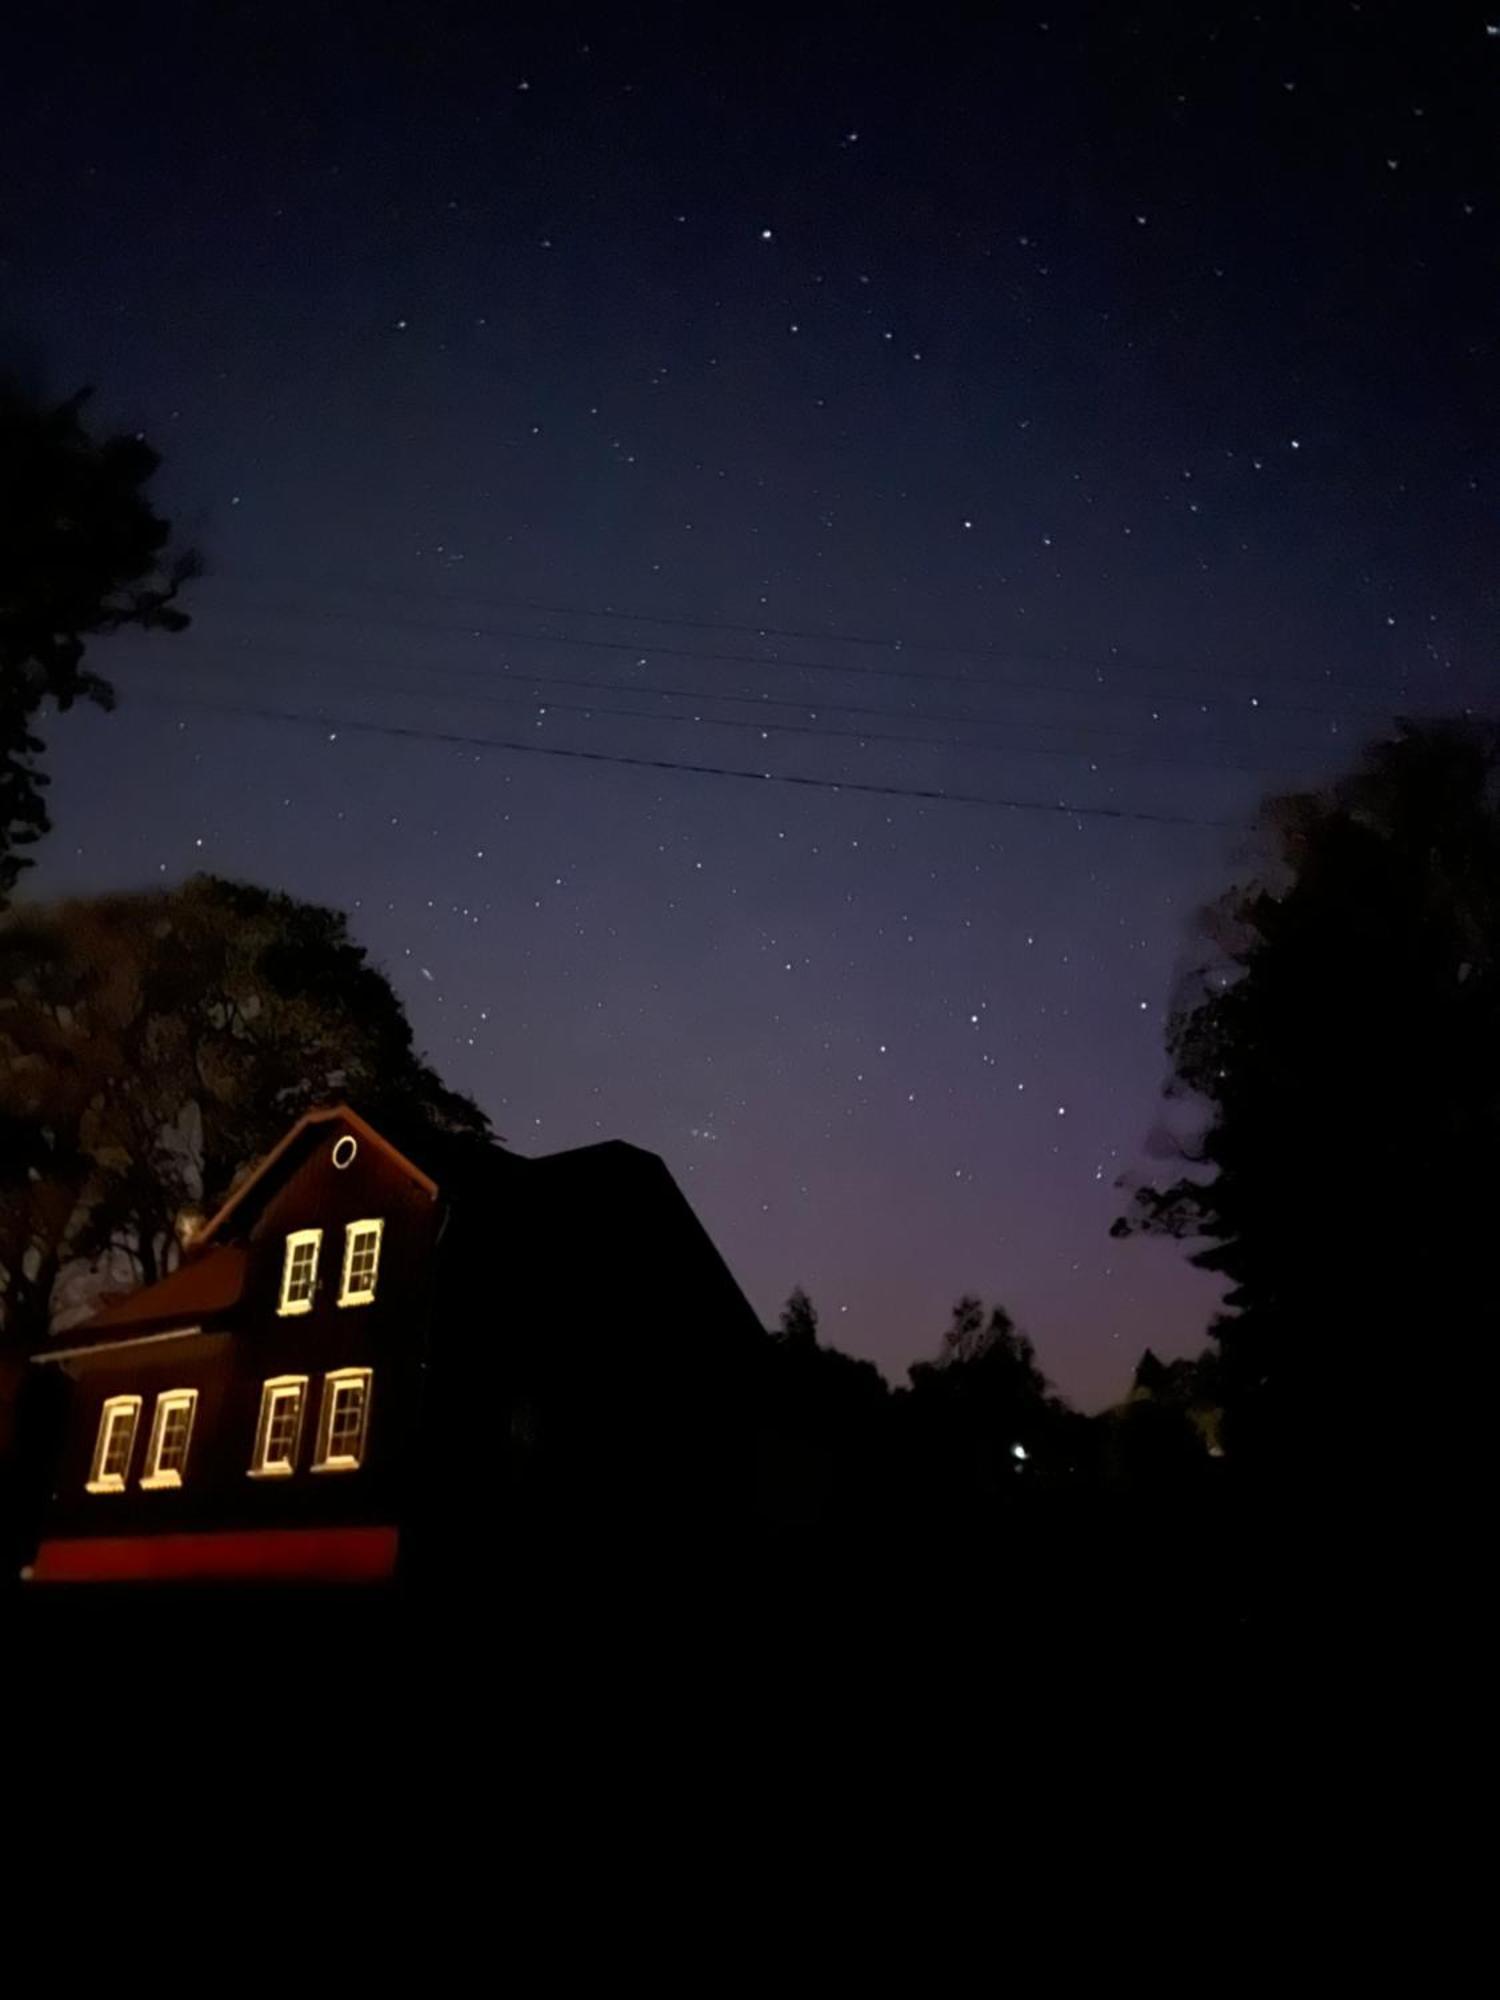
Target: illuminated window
{"x":299,"y":1274}
{"x":361,"y":1262}
{"x":171,"y":1433}
{"x":279,"y":1432}
{"x":114,"y":1444}
{"x":344,"y":1420}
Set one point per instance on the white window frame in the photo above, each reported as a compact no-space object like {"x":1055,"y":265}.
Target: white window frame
{"x":272,"y":1392}
{"x":100,"y":1481}
{"x":154,"y":1479}
{"x":294,"y":1242}
{"x":333,"y":1381}
{"x":353,"y":1232}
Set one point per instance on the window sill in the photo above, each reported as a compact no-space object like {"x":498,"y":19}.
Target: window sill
{"x":105,"y":1486}
{"x":163,"y":1482}
{"x":338,"y":1465}
{"x":270,"y":1472}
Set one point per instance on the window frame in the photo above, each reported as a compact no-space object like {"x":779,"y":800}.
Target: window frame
{"x":287,"y":1305}
{"x":100,"y":1481}
{"x":154,"y":1479}
{"x":333,"y":1381}
{"x":271,"y":1391}
{"x":352,"y":1232}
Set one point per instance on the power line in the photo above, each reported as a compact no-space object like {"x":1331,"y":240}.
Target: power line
{"x":1095,"y":692}
{"x":422,"y":689}
{"x":887,"y":643}
{"x":462,"y":738}
{"x":910,"y":712}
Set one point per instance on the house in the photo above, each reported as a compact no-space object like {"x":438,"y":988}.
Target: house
{"x":384,"y":1359}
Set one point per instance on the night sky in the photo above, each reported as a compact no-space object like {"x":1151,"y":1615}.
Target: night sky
{"x":1092,"y":416}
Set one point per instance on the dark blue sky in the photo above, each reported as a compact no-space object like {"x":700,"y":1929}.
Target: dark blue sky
{"x":1095,"y":409}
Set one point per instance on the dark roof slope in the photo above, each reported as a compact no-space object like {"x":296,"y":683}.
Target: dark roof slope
{"x":246,"y":1198}
{"x":604,"y":1208}
{"x":200,"y":1289}
{"x":633,"y":1206}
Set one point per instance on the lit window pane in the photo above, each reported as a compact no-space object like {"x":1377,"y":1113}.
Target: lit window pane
{"x":171,"y":1431}
{"x":361,"y":1262}
{"x":344,"y":1421}
{"x":280,"y":1427}
{"x":299,"y":1276}
{"x":118,"y":1455}
{"x":114,"y":1444}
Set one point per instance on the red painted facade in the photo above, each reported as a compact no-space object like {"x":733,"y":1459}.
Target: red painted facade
{"x":551,"y":1346}
{"x":214,"y":1328}
{"x":278,"y":1555}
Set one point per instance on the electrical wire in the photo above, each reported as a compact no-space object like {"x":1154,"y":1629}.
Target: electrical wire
{"x":460,"y":738}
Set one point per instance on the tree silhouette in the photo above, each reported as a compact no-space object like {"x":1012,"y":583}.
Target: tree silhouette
{"x":1190,"y":1387}
{"x":996,"y":1346}
{"x":799,"y":1320}
{"x":1166,"y":1430}
{"x":1343,"y":1039}
{"x":152,"y":1047}
{"x":82,"y":553}
{"x":820,"y":1417}
{"x":981,"y":1417}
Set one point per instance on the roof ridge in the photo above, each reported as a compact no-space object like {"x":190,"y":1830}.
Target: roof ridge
{"x":318,"y":1115}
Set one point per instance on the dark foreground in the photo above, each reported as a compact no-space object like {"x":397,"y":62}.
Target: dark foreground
{"x":567,"y":1732}
{"x":1116,"y":1586}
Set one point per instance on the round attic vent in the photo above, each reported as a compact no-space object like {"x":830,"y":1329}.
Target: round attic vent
{"x":344,"y":1150}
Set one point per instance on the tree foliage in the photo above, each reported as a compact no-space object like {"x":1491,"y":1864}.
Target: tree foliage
{"x":152,"y":1047}
{"x":799,"y":1320}
{"x":981,"y":1416}
{"x":820,"y":1415}
{"x":82,"y":553}
{"x":1192,"y":1386}
{"x":1342,"y":1037}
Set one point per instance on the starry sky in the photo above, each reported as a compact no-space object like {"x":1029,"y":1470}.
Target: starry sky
{"x":989,"y":453}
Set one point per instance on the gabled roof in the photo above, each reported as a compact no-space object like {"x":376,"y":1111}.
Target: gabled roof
{"x":197,"y":1289}
{"x":211,"y":1278}
{"x":625,"y":1197}
{"x":632,"y":1201}
{"x":334,"y":1114}
{"x":187,"y":1300}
